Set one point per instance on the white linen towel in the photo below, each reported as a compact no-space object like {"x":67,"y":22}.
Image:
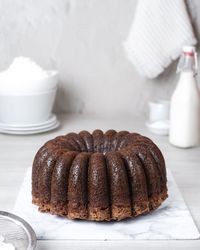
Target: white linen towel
{"x":159,"y":31}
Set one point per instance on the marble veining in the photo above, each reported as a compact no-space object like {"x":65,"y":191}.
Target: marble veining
{"x":171,"y":221}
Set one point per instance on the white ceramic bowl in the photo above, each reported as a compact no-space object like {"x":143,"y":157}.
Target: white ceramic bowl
{"x":26,"y":108}
{"x":29,"y":102}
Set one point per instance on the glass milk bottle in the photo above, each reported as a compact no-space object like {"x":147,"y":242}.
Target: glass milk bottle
{"x":185,"y":103}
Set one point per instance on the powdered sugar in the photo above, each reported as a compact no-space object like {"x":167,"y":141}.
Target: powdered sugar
{"x":26,"y":76}
{"x":23,"y":69}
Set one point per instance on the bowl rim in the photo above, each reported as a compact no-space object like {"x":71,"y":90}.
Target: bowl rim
{"x":18,"y":94}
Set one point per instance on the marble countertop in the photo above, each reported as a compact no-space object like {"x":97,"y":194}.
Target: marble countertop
{"x":17,"y":152}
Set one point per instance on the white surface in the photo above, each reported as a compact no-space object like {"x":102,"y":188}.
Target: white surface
{"x":171,"y":221}
{"x":24,"y":76}
{"x":71,"y":36}
{"x":17,"y":153}
{"x":152,"y":44}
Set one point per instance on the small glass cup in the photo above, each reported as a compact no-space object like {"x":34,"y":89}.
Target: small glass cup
{"x":158,"y":117}
{"x":159,"y":110}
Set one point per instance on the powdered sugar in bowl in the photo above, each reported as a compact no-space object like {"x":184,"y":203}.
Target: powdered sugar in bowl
{"x":27,"y":93}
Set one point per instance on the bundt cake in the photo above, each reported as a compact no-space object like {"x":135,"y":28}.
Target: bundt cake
{"x":99,"y":176}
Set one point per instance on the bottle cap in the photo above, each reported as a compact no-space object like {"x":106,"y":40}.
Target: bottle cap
{"x":188,"y":60}
{"x":189,"y":49}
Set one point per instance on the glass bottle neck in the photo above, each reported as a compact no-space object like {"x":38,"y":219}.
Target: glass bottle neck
{"x":187,"y":63}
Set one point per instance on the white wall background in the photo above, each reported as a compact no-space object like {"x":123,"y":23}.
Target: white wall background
{"x":83,"y":40}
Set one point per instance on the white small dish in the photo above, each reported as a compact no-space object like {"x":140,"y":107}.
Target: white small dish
{"x":51,"y":121}
{"x":30,"y":130}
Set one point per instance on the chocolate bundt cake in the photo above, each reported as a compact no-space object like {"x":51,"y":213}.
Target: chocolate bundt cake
{"x":99,"y":176}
